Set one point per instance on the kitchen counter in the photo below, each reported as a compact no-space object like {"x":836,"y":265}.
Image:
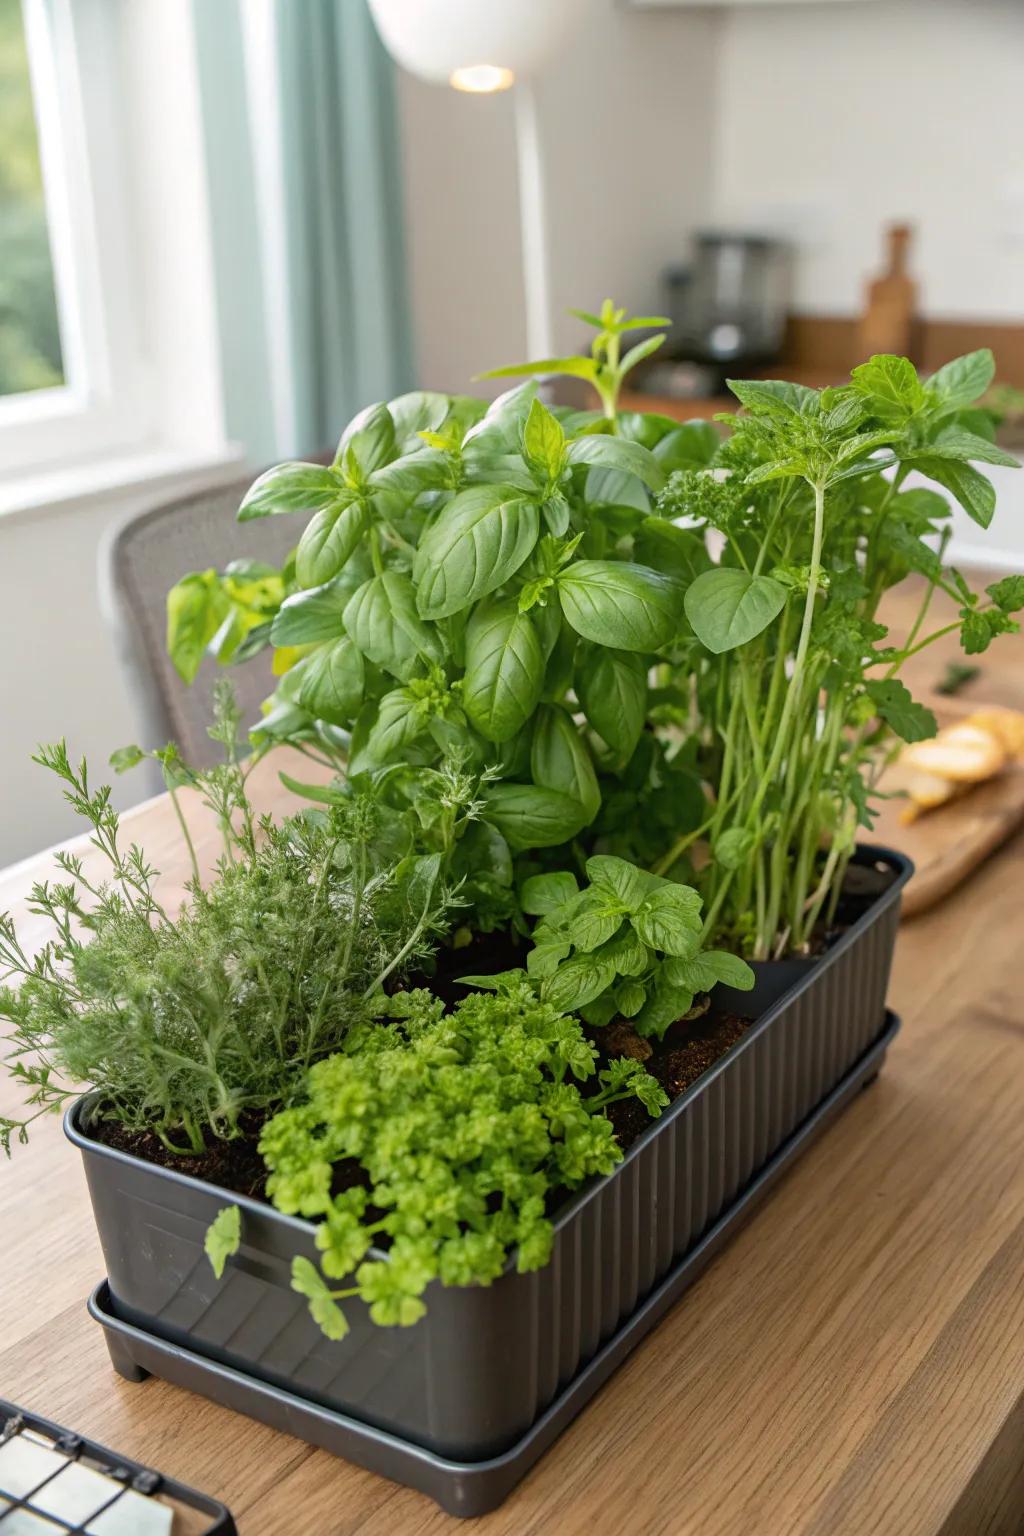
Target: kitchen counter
{"x":853,"y":1364}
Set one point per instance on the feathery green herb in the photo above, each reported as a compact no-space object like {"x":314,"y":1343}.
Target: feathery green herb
{"x":185,"y":1023}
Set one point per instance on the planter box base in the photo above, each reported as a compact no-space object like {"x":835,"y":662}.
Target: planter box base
{"x":466,"y":1488}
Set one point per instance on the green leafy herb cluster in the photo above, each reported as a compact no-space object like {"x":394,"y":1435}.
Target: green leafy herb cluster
{"x":794,"y":688}
{"x":187,"y":1022}
{"x":628,"y":945}
{"x":648,"y":641}
{"x":466,"y":1124}
{"x":458,"y":587}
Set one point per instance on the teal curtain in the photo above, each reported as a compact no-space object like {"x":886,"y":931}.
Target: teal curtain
{"x":338,"y":209}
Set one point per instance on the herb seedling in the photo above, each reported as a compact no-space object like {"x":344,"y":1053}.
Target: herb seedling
{"x":628,"y":945}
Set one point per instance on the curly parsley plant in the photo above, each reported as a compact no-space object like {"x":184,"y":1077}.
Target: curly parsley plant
{"x":466,"y":1124}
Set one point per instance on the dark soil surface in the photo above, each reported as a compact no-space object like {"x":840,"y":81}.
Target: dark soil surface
{"x":685,"y":1054}
{"x":687,"y":1051}
{"x":234,"y":1165}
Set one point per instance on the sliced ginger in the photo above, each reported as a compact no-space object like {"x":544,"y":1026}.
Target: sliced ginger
{"x":961,"y":755}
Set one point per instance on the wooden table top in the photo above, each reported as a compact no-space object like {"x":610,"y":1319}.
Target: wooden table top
{"x":852,"y":1364}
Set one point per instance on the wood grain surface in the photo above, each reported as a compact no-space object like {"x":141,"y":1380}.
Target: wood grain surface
{"x":948,"y":843}
{"x":852,"y":1365}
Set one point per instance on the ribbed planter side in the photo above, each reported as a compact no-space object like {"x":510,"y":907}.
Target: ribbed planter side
{"x":478,"y":1370}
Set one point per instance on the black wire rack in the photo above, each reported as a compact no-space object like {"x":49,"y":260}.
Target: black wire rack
{"x":58,"y":1483}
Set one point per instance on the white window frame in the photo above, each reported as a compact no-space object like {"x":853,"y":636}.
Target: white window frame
{"x":138,"y":326}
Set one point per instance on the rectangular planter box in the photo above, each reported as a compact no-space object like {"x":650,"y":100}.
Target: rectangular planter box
{"x":470,"y":1379}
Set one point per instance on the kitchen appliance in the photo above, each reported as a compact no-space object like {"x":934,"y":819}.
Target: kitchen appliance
{"x":728,"y":310}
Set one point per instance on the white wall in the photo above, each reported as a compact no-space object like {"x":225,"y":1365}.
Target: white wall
{"x":834,"y":120}
{"x":61,"y":674}
{"x":626,"y":121}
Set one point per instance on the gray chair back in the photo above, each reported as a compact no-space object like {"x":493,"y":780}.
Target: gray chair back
{"x":141,"y":560}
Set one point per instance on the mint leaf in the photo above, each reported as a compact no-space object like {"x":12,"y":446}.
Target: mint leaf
{"x":542,"y":894}
{"x":577,"y":982}
{"x":894,"y":704}
{"x":618,"y":878}
{"x":973,"y":490}
{"x":890,"y":387}
{"x":669,"y":920}
{"x":960,"y":382}
{"x":1008,"y":594}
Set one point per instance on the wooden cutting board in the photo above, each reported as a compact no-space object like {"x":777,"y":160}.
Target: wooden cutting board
{"x":948,"y":844}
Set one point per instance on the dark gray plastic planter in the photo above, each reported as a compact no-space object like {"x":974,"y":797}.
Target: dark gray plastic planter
{"x":468,"y":1381}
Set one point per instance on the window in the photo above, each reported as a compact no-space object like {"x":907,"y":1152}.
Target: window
{"x":30,"y":348}
{"x":72,"y":388}
{"x":108,"y":338}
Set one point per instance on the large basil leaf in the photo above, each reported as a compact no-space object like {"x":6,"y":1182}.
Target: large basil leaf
{"x":612,"y":688}
{"x":618,"y":453}
{"x":727,"y":607}
{"x":615,"y":603}
{"x":289,"y":488}
{"x":542,"y":894}
{"x":504,"y":669}
{"x":559,"y":759}
{"x":703,"y":971}
{"x":307,"y":618}
{"x":480,"y":539}
{"x":533,"y":818}
{"x":367,"y":442}
{"x":381,"y":618}
{"x":332,"y":682}
{"x":422,"y":410}
{"x":400,"y":482}
{"x":664,"y":1005}
{"x":329,"y":540}
{"x":615,"y":488}
{"x":501,"y":428}
{"x":399,"y":722}
{"x":957,"y":444}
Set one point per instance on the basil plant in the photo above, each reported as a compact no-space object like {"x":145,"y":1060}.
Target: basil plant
{"x":480,"y":580}
{"x":642,"y":639}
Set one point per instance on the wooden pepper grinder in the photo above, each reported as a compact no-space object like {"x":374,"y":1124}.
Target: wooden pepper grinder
{"x":889,"y":322}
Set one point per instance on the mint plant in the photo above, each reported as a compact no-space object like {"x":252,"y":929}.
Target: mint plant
{"x":628,"y":945}
{"x":466,"y":1123}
